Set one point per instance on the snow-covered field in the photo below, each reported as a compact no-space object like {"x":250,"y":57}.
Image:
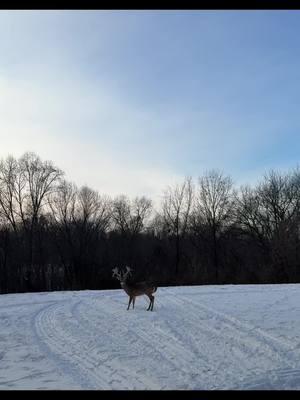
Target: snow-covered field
{"x":200,"y":337}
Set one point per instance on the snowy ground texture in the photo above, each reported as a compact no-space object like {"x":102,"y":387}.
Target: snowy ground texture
{"x":201,"y":337}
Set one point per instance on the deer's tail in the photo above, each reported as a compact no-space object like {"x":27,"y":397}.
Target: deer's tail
{"x":154,"y":289}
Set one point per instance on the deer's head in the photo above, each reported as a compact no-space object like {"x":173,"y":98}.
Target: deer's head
{"x":121,"y":276}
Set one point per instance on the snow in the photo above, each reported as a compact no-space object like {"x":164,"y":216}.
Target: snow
{"x":197,"y":337}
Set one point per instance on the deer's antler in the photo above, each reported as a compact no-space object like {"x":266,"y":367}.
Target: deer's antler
{"x":128,"y":272}
{"x":116,"y":273}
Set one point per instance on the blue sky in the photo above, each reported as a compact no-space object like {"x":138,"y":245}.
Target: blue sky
{"x":132,"y":101}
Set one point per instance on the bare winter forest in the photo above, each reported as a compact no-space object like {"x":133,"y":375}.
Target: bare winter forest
{"x":56,"y":236}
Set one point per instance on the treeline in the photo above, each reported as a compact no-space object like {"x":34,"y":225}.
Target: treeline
{"x":56,"y":236}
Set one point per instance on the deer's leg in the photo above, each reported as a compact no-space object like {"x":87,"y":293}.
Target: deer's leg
{"x":149,"y":303}
{"x":130,"y":300}
{"x":133,"y":302}
{"x":152,"y":302}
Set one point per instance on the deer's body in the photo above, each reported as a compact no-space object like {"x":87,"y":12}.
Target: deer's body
{"x":135,"y":289}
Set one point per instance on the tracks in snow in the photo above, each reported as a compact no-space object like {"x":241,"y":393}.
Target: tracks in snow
{"x":147,"y":343}
{"x":63,"y":347}
{"x":80,"y":350}
{"x":259,"y":347}
{"x":102,"y":346}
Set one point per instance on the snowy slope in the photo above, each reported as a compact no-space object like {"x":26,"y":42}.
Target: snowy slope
{"x":201,"y":337}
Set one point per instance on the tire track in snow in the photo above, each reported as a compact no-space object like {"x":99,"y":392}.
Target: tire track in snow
{"x":168,"y":346}
{"x":164,"y":348}
{"x":74,"y":349}
{"x":63,"y":348}
{"x":70,"y":350}
{"x":46,"y":342}
{"x":275,"y":345}
{"x":277,"y":349}
{"x":278,"y":379}
{"x":201,"y":336}
{"x":119,"y":370}
{"x":3,"y":308}
{"x":200,"y":360}
{"x":76,"y":333}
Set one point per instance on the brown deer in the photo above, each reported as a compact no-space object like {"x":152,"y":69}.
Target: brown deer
{"x":135,"y":289}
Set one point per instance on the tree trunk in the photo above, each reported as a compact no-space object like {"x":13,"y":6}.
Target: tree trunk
{"x":215,"y":255}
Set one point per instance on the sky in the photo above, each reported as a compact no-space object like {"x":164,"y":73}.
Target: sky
{"x":133,"y":101}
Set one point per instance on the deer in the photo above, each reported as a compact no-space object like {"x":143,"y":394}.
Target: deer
{"x":134,"y":289}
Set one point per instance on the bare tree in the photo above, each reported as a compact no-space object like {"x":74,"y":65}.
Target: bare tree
{"x":93,"y":209}
{"x":8,"y":189}
{"x":176,"y":208}
{"x":130,"y":216}
{"x":121,"y":214}
{"x":81,"y":216}
{"x":266,"y":210}
{"x":250,"y":215}
{"x":37,"y":180}
{"x":279,"y":194}
{"x":62,"y":203}
{"x":141,"y":210}
{"x":24,"y":187}
{"x":270,"y":214}
{"x":214,"y":208}
{"x":92,"y":220}
{"x":41,"y":179}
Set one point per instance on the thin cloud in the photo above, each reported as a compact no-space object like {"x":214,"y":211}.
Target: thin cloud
{"x":128,"y":101}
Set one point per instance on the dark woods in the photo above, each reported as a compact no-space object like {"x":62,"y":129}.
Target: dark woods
{"x":55,"y":236}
